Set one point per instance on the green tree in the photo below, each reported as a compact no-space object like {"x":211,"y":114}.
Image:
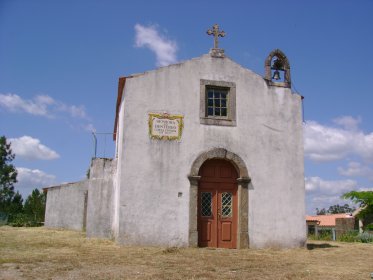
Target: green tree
{"x":15,"y":208}
{"x":17,"y":204}
{"x":35,"y":206}
{"x":8,"y":177}
{"x":335,"y":209}
{"x":364,"y":199}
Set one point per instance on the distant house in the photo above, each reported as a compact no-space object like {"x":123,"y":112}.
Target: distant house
{"x":336,"y":224}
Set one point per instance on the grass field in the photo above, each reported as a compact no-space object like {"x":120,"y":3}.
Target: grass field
{"x":39,"y":253}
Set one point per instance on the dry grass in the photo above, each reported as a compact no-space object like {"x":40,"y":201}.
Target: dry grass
{"x":39,"y":253}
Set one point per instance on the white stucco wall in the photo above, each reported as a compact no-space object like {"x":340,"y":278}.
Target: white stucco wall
{"x":86,"y":204}
{"x":65,"y":206}
{"x":151,"y":173}
{"x":100,"y":207}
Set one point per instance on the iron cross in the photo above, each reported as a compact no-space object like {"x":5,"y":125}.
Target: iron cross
{"x":215,"y":31}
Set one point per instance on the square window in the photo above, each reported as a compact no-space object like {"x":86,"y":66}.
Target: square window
{"x":218,"y":103}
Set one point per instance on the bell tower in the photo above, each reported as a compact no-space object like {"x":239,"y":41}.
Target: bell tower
{"x":277,"y":69}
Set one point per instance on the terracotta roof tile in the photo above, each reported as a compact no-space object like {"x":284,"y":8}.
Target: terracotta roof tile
{"x":327,"y":220}
{"x":121,"y":83}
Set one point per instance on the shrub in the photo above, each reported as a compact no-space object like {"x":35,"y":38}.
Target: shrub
{"x":312,"y":236}
{"x":365,"y":237}
{"x":349,"y":236}
{"x":325,"y":235}
{"x":369,"y":227}
{"x":23,"y":220}
{"x":19,"y":220}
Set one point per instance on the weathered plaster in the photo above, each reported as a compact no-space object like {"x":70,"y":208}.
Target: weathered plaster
{"x":65,"y":207}
{"x":148,"y":195}
{"x":85,"y":205}
{"x":100,"y":198}
{"x":267,"y":138}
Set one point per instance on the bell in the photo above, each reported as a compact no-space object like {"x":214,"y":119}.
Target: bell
{"x":276,"y":75}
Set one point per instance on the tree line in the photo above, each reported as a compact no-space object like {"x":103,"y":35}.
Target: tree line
{"x":363,"y":199}
{"x":12,"y":209}
{"x":335,"y":209}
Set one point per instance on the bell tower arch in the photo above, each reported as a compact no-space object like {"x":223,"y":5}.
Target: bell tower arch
{"x":275,"y":64}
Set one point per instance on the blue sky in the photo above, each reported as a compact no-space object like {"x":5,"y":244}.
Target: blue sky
{"x":60,"y":62}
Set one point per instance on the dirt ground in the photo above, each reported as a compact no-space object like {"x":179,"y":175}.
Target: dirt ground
{"x":39,"y":253}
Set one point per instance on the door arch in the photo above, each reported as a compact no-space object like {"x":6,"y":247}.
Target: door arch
{"x":243,"y":182}
{"x":217,"y":205}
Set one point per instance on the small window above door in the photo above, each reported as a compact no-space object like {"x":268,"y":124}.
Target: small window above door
{"x":218,"y":103}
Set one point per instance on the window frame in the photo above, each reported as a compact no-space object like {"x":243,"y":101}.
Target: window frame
{"x":230,"y":119}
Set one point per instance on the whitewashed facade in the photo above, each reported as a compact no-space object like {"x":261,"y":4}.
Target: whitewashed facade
{"x":166,"y":132}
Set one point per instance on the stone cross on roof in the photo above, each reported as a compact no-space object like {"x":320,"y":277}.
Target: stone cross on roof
{"x":215,"y":31}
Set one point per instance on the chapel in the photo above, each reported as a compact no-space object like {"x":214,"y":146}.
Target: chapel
{"x":208,"y":154}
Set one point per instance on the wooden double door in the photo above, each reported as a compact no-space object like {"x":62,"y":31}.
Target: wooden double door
{"x":217,"y":205}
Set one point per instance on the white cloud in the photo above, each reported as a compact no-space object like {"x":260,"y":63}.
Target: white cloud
{"x":348,"y":122}
{"x":31,"y":149}
{"x":90,"y":128}
{"x":323,"y":201}
{"x":322,"y":193}
{"x":341,"y":140}
{"x":164,"y":49}
{"x":77,"y":111}
{"x":316,"y":184}
{"x":40,"y":105}
{"x":29,"y":179}
{"x":37,"y":106}
{"x":356,"y":169}
{"x":72,"y":110}
{"x":326,"y":143}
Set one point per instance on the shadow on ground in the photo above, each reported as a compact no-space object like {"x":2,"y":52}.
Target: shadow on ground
{"x":311,"y":246}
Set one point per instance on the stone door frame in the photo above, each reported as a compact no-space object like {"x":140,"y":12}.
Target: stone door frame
{"x":242,"y":192}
